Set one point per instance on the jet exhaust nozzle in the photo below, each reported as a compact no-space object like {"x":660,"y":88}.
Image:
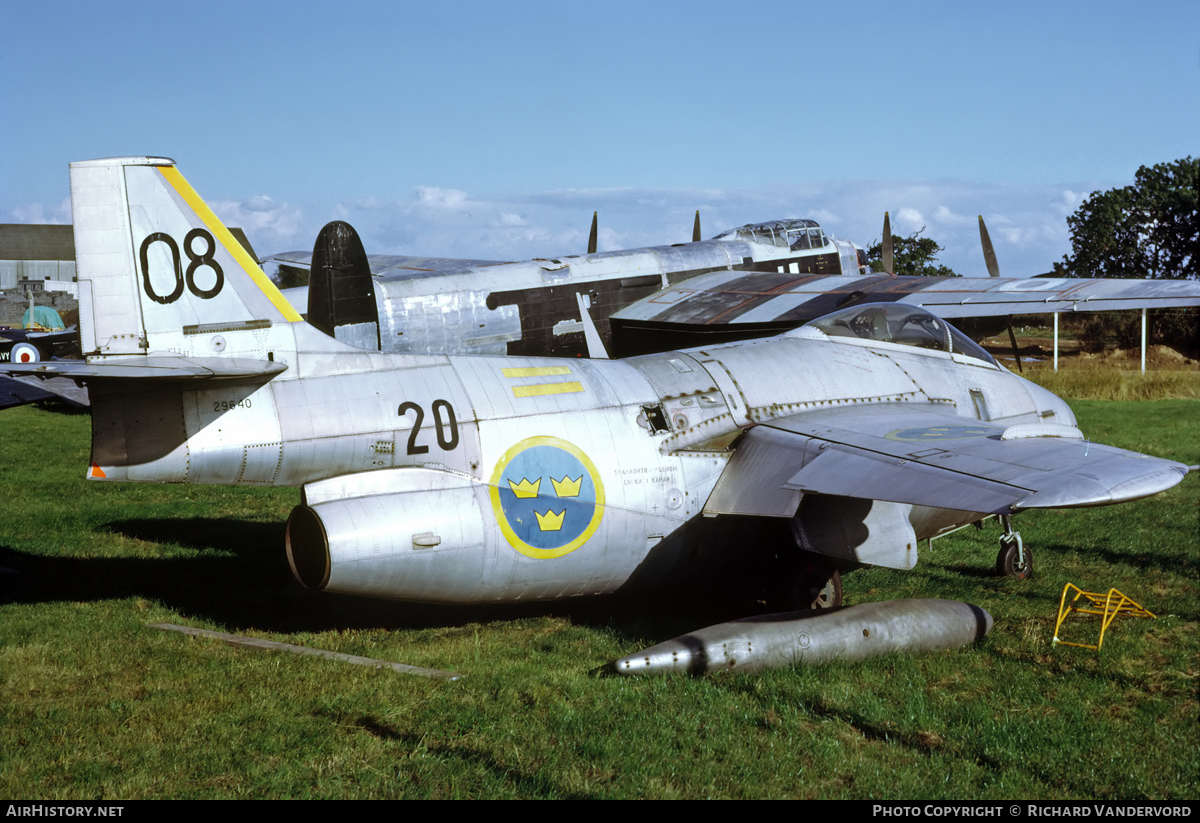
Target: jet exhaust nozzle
{"x":415,"y":545}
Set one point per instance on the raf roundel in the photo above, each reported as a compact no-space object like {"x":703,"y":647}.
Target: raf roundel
{"x":547,"y":496}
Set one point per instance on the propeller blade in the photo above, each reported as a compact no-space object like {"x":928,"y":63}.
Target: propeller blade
{"x":591,"y":337}
{"x":696,"y":228}
{"x":889,"y":260}
{"x":592,"y":236}
{"x":1012,"y":338}
{"x":989,"y":251}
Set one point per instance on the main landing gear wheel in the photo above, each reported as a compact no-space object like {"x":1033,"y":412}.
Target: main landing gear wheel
{"x":1014,"y":560}
{"x":816,"y":585}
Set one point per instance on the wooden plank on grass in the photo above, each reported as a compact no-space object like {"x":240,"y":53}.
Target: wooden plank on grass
{"x":271,"y":645}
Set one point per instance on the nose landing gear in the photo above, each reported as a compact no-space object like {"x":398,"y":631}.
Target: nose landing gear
{"x":1014,"y":560}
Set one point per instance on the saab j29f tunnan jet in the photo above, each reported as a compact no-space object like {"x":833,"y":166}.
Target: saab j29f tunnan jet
{"x":466,"y":479}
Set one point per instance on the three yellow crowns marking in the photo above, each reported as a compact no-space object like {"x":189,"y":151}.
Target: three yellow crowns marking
{"x":567,"y":487}
{"x":525,"y":488}
{"x":550,"y":521}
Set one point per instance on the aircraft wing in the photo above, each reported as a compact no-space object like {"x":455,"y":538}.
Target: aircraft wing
{"x":780,"y":299}
{"x":20,"y":391}
{"x":923,"y":456}
{"x":388,"y":264}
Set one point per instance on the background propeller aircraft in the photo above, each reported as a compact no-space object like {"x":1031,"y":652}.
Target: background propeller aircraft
{"x":756,"y":280}
{"x":436,"y":305}
{"x":458,"y":479}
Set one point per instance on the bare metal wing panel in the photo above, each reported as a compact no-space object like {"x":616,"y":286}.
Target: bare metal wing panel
{"x":724,"y":298}
{"x":923,"y":456}
{"x":395,"y":265}
{"x":19,"y":391}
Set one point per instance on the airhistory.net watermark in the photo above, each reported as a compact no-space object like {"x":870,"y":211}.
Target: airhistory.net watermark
{"x":48,"y":810}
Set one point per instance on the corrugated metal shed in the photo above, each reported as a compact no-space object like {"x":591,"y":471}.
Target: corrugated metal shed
{"x":38,"y":251}
{"x":40,"y":241}
{"x":29,"y":241}
{"x":31,"y":251}
{"x":12,"y":272}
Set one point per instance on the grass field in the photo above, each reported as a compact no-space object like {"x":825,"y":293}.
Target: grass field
{"x":97,"y":705}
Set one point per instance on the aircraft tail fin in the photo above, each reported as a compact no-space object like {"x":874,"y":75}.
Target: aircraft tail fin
{"x":157,"y":269}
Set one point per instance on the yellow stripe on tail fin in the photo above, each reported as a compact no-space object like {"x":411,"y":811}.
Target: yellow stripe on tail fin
{"x":226,"y":238}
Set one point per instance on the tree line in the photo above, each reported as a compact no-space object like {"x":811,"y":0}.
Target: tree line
{"x":1149,"y":229}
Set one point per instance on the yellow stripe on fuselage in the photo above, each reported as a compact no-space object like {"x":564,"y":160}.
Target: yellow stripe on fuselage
{"x":536,"y":371}
{"x":235,"y":249}
{"x":539,"y":389}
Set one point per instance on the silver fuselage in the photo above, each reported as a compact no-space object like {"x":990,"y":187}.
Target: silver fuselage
{"x":403,"y":456}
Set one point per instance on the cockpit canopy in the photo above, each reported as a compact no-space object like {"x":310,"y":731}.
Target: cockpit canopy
{"x":901,"y":324}
{"x":793,"y":234}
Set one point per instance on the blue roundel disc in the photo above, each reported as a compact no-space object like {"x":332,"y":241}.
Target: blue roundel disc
{"x":547,"y":497}
{"x":928,"y":433}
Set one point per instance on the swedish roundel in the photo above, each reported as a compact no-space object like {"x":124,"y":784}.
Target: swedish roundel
{"x":547,"y":496}
{"x":929,"y":433}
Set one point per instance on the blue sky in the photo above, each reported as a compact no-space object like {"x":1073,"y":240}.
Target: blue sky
{"x":493,"y":130}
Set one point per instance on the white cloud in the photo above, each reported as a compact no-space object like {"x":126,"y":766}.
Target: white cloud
{"x":37,"y":213}
{"x":826,"y":218}
{"x":942,"y":216}
{"x":440,"y":198}
{"x":1027,"y":223}
{"x":607,"y":239}
{"x":266,"y":222}
{"x":260,"y":203}
{"x":1071,"y":201}
{"x":909,"y":219}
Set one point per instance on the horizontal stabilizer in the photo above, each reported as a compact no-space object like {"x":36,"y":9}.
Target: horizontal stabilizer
{"x":161,"y":368}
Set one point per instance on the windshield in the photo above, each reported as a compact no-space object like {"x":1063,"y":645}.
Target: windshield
{"x":902,"y":324}
{"x":794,"y":234}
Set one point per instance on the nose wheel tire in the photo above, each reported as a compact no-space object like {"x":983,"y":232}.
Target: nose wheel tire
{"x":1014,"y":560}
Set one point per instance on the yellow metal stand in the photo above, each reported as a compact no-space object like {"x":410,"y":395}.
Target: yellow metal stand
{"x":1108,"y":606}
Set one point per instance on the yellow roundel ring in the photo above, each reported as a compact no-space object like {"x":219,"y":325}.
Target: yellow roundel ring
{"x":547,"y":496}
